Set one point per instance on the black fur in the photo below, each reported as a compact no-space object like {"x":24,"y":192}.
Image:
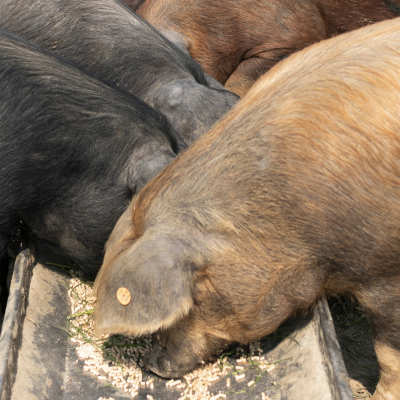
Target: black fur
{"x":73,"y":151}
{"x":394,"y":8}
{"x":107,"y":40}
{"x":134,"y":4}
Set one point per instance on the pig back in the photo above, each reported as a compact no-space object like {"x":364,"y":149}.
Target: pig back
{"x":73,"y":151}
{"x":315,"y":136}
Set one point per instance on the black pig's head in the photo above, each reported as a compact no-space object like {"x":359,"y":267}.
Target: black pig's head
{"x":192,"y":108}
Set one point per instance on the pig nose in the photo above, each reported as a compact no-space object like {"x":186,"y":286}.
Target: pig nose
{"x":150,"y":361}
{"x":157,"y":362}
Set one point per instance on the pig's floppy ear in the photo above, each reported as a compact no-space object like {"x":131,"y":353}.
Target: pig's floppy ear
{"x":148,"y":287}
{"x":143,"y":171}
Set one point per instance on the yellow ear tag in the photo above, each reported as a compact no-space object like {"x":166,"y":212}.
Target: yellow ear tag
{"x":123,"y":296}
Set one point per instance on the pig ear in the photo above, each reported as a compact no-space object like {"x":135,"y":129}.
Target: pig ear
{"x":148,"y":287}
{"x":143,"y":171}
{"x":178,"y":39}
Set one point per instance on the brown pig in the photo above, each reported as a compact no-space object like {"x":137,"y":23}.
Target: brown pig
{"x":237,"y":41}
{"x":294,"y":193}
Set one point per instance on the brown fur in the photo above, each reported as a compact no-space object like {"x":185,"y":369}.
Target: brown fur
{"x":237,"y":41}
{"x":294,"y":193}
{"x":389,"y":362}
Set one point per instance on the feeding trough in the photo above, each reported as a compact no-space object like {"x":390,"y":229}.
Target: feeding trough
{"x":38,"y":359}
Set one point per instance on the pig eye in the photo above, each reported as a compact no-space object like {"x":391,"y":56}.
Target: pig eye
{"x":123,"y":296}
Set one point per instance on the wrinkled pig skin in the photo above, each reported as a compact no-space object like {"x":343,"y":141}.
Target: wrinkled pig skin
{"x":73,"y":152}
{"x":295,"y":193}
{"x":107,"y":40}
{"x":237,"y":41}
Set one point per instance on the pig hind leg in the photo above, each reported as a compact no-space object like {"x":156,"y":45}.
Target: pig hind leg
{"x":382,"y":305}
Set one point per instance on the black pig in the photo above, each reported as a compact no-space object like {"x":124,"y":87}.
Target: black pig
{"x":295,"y":193}
{"x":73,"y":151}
{"x":107,"y":40}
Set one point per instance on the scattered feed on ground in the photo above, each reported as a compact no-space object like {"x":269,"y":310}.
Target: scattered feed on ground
{"x":119,"y":358}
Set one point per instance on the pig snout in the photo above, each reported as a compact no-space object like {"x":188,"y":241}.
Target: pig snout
{"x":169,"y":366}
{"x":182,"y":348}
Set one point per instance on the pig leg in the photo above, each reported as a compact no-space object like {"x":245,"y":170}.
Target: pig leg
{"x":389,"y":363}
{"x":382,"y":305}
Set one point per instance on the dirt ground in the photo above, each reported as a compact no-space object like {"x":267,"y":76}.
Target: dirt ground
{"x":354,"y":335}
